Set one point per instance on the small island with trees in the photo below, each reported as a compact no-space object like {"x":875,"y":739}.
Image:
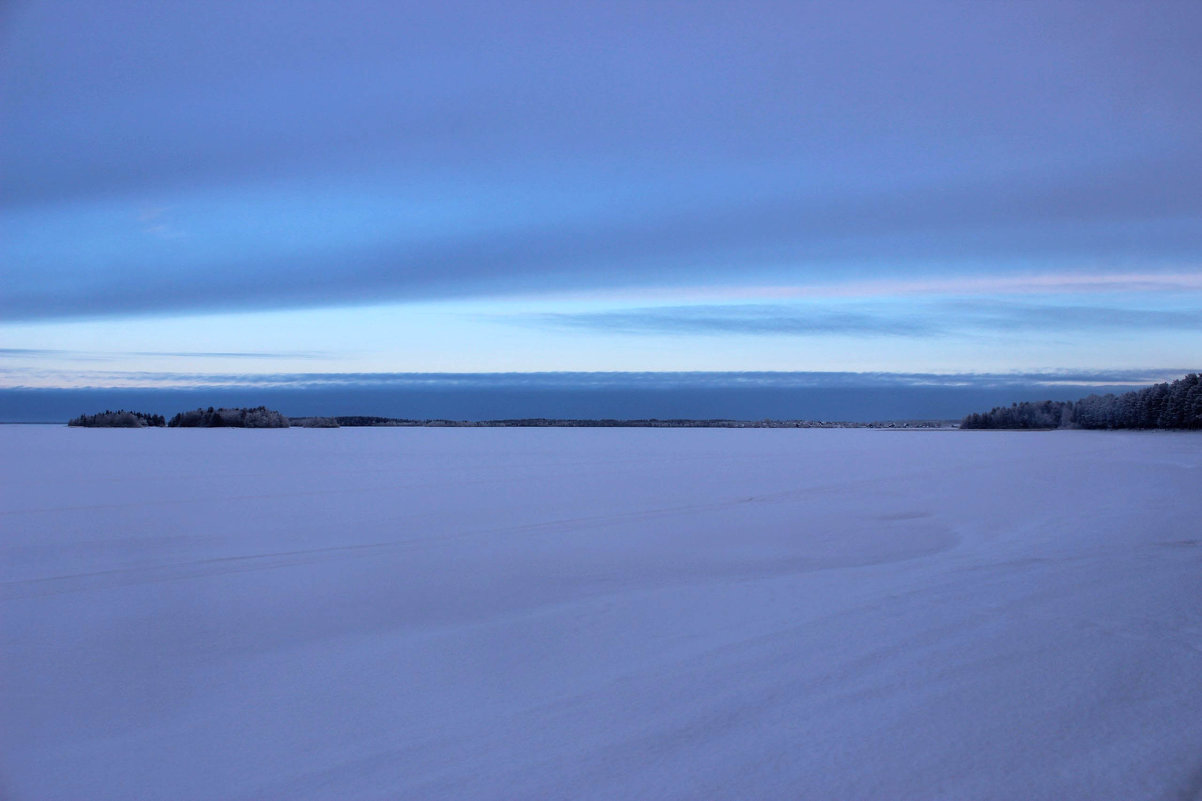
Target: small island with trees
{"x":258,"y":417}
{"x":118,"y":419}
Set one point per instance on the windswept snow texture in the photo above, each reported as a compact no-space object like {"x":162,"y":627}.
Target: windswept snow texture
{"x":599,"y":614}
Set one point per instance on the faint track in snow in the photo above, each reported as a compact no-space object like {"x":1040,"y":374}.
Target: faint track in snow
{"x":120,"y":577}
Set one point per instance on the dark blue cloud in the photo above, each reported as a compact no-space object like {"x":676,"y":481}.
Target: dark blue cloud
{"x":123,"y":96}
{"x":689,"y":143}
{"x":940,"y":229}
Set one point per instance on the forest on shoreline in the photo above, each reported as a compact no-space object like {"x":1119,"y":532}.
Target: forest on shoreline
{"x":1171,"y":405}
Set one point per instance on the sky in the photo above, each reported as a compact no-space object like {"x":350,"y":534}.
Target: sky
{"x":203,"y":194}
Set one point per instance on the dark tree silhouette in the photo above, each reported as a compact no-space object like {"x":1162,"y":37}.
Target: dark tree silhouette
{"x":118,"y":419}
{"x":258,"y":417}
{"x":1176,"y":405}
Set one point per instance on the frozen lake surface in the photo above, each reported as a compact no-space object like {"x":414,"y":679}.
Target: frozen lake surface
{"x":599,"y":614}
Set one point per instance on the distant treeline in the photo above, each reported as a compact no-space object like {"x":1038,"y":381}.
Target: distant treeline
{"x":556,"y":422}
{"x":258,"y":417}
{"x":1176,"y":405}
{"x":118,"y":419}
{"x":313,"y":422}
{"x":366,"y":420}
{"x":262,"y":417}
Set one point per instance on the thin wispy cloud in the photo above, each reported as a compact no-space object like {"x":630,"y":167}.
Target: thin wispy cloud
{"x":933,"y":319}
{"x":1009,"y":315}
{"x":1050,"y":283}
{"x":156,"y":222}
{"x":562,"y":381}
{"x":115,"y":354}
{"x":742,"y":319}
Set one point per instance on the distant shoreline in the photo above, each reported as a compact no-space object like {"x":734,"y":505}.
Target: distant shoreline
{"x":645,"y":423}
{"x":298,"y":422}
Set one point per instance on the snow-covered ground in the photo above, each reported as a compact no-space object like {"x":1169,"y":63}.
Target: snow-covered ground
{"x":599,"y":614}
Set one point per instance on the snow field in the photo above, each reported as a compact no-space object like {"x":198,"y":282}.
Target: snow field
{"x":599,"y":613}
